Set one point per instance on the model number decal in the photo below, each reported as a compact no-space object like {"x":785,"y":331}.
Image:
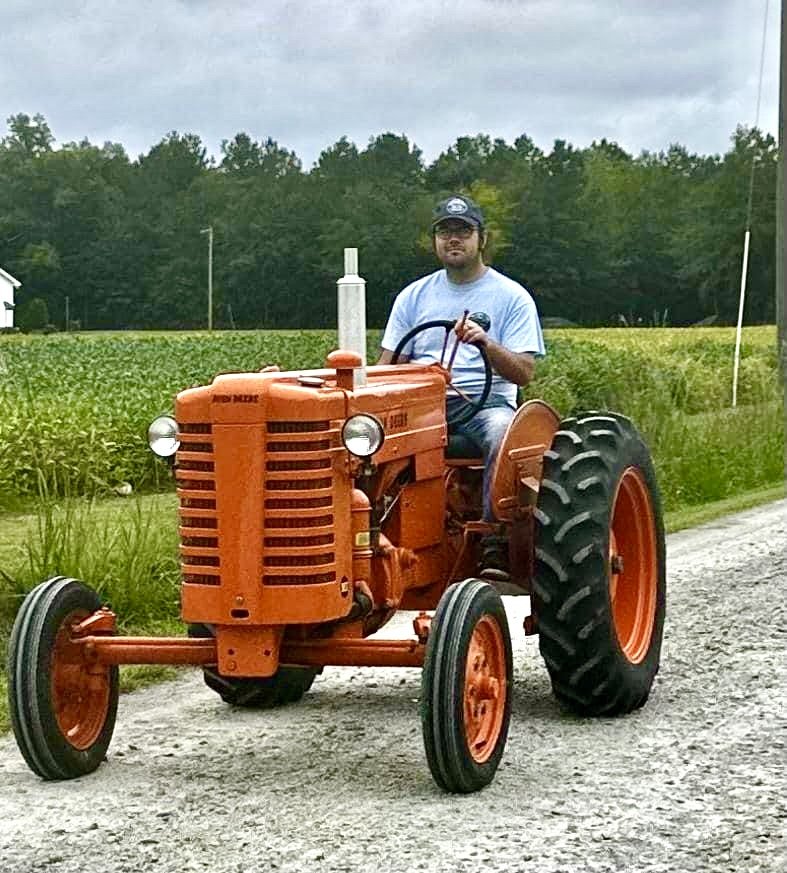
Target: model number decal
{"x":395,"y":420}
{"x":236,"y":398}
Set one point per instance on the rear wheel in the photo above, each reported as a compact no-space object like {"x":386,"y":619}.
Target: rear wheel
{"x":287,"y":685}
{"x":466,"y":687}
{"x":62,"y":706}
{"x":599,"y":589}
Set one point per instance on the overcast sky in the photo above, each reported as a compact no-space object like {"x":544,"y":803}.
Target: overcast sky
{"x":644,"y":73}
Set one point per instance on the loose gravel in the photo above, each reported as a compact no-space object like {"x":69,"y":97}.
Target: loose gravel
{"x":694,"y":781}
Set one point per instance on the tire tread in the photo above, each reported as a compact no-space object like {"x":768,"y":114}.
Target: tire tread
{"x":577,"y":639}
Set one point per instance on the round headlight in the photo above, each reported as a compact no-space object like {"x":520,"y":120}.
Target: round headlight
{"x":163,"y":436}
{"x":362,"y":435}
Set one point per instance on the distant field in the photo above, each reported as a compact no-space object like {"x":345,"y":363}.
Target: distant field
{"x":74,"y":409}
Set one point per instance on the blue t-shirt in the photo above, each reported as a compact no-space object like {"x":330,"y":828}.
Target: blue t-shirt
{"x":513,"y":323}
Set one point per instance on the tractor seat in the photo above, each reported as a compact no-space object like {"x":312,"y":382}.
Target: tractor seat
{"x":462,"y":451}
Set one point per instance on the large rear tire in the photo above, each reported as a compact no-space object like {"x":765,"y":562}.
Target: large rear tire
{"x":62,"y":706}
{"x":599,"y":589}
{"x":466,"y":687}
{"x":287,"y":685}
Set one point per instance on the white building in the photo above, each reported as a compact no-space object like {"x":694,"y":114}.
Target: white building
{"x":7,"y":287}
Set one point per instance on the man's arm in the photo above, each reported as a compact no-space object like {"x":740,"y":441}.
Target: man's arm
{"x":516,"y":367}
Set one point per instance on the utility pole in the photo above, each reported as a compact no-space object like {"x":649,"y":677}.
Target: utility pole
{"x":781,"y":251}
{"x":209,"y":232}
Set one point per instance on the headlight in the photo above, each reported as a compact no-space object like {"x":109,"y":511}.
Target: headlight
{"x":362,"y":435}
{"x":163,"y":436}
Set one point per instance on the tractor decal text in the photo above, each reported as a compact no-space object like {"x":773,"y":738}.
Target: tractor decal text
{"x":236,"y":398}
{"x":395,"y":420}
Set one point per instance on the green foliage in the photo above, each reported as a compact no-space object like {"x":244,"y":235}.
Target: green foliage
{"x":32,"y":314}
{"x":714,"y":455}
{"x":129,"y":555}
{"x":676,"y":386}
{"x":74,"y":409}
{"x":126,"y":552}
{"x":596,"y":233}
{"x":27,"y":136}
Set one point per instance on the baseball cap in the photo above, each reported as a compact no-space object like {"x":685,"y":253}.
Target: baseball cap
{"x":460,"y":208}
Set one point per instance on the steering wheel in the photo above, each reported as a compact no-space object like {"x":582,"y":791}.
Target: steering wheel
{"x":472,"y":407}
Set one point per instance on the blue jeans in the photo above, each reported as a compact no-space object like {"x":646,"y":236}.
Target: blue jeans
{"x":486,"y":429}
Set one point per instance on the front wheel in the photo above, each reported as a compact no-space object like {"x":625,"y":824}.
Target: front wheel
{"x":62,"y":706}
{"x":466,"y":687}
{"x":599,"y":587}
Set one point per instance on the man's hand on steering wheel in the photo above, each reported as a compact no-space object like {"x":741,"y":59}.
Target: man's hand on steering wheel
{"x":471,"y":332}
{"x":473,"y":405}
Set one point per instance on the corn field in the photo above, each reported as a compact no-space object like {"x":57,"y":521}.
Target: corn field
{"x":74,"y":409}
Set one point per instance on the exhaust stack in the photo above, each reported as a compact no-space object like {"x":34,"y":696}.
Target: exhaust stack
{"x":351,"y":289}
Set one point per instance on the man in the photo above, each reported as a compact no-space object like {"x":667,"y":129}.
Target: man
{"x":511,"y":340}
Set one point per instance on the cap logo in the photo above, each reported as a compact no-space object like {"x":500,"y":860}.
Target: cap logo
{"x":456,"y":206}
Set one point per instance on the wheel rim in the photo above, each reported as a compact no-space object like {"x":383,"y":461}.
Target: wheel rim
{"x":80,"y":691}
{"x":485,"y":689}
{"x":633,"y":566}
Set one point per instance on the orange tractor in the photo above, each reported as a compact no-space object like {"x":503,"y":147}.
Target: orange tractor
{"x":312,"y":506}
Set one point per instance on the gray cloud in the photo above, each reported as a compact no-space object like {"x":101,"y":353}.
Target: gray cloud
{"x":644,"y":74}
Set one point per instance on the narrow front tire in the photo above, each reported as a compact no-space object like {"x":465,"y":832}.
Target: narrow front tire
{"x":466,"y":687}
{"x":62,"y":705}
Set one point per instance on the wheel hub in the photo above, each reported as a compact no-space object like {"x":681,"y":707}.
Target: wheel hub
{"x":80,"y":690}
{"x":485,"y":689}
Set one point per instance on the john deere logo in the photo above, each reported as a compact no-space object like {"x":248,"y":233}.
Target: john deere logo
{"x":456,"y":206}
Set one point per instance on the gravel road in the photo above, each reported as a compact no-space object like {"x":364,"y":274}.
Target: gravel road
{"x":694,"y":781}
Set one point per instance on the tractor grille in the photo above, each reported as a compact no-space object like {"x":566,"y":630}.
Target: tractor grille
{"x":298,"y":506}
{"x":298,"y":535}
{"x":199,"y":549}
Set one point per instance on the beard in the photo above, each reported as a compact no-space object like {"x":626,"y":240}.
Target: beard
{"x":458,"y":258}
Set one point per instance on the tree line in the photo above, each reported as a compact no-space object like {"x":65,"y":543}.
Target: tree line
{"x":599,"y":236}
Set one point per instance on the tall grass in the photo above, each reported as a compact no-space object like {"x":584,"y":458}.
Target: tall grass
{"x":712,"y":456}
{"x":75,"y":408}
{"x":677,"y":393}
{"x":124,"y":551}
